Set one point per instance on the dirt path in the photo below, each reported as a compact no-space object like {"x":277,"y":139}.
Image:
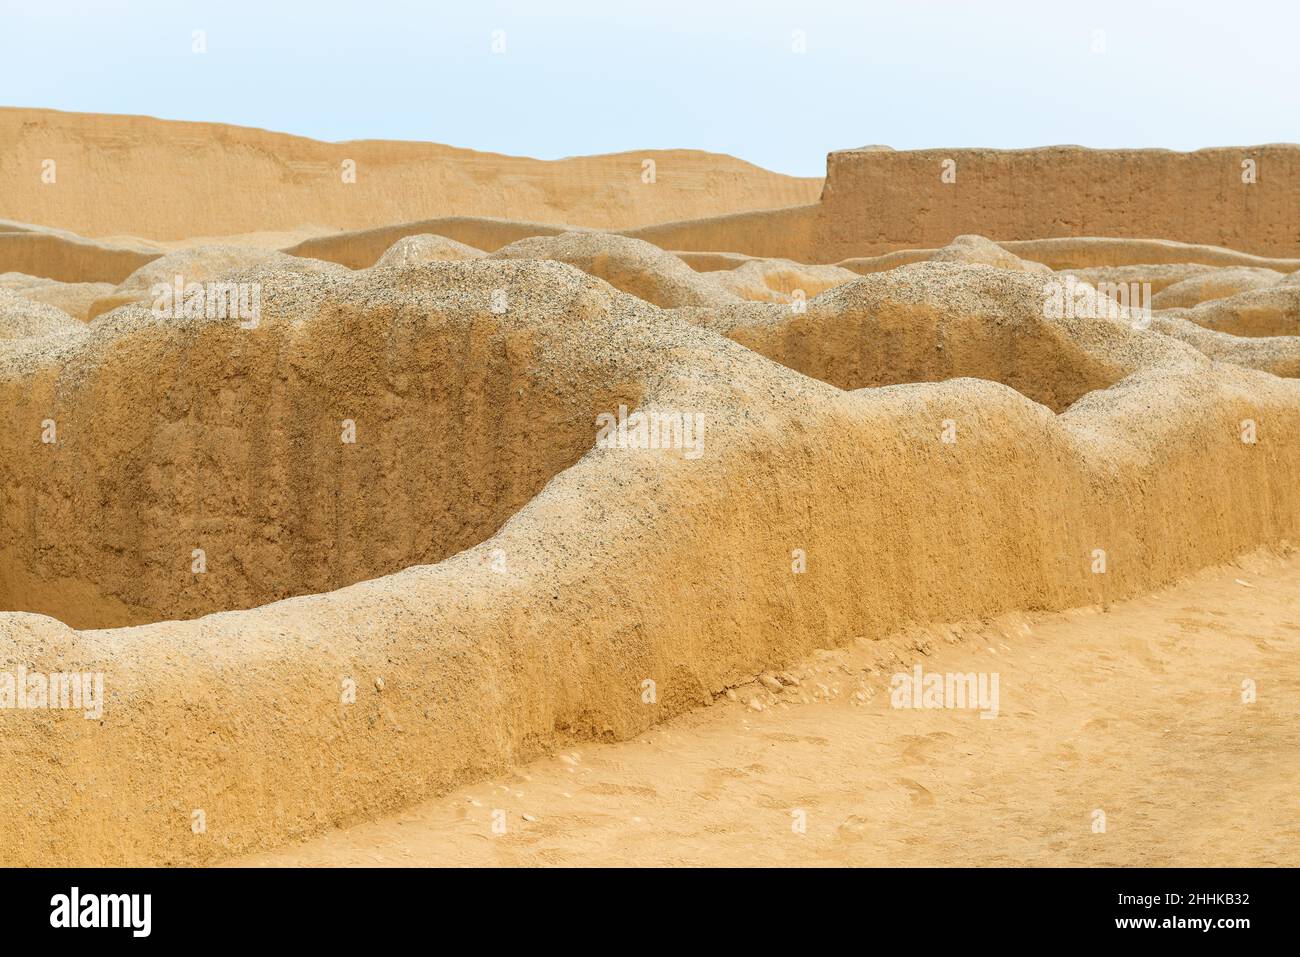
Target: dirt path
{"x":1136,"y":712}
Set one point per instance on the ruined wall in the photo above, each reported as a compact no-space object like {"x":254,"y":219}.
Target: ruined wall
{"x":631,"y":563}
{"x":878,"y":200}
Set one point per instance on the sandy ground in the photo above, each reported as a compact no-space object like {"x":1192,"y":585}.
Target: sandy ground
{"x":1136,"y":711}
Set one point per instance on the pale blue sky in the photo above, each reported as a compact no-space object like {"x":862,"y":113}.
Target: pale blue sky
{"x":579,"y":76}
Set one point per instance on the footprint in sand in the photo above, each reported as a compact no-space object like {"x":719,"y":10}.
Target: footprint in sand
{"x":920,"y":795}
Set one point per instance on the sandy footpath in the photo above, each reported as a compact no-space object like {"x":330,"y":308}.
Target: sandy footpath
{"x":1136,"y":711}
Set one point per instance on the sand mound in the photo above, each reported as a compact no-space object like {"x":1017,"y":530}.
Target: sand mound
{"x":1158,"y":276}
{"x":74,"y":298}
{"x":712,"y":262}
{"x":1214,"y":284}
{"x":21,"y":318}
{"x":980,"y":251}
{"x":203,"y":263}
{"x":516,"y":554}
{"x":199,"y":264}
{"x":903,"y":257}
{"x":361,"y":249}
{"x":780,"y":280}
{"x":427,"y":248}
{"x":930,"y":322}
{"x":632,"y":265}
{"x":1279,"y":355}
{"x":1272,"y":311}
{"x":783,"y":233}
{"x":143,"y":185}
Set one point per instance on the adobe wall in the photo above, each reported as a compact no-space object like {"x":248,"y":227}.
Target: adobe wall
{"x":878,"y":200}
